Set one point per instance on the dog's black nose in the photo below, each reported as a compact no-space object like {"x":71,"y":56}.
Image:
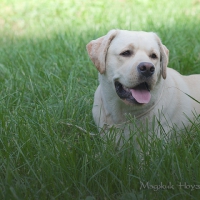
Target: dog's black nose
{"x":146,"y":69}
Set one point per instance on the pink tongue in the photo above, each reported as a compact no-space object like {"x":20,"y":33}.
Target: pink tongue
{"x":140,"y":95}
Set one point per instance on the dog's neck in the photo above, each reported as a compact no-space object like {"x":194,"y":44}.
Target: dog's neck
{"x":118,"y":110}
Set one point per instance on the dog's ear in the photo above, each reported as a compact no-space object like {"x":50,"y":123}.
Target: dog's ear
{"x":164,"y":58}
{"x":97,"y":50}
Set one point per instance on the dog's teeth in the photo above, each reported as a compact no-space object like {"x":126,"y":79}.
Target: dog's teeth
{"x":125,"y":88}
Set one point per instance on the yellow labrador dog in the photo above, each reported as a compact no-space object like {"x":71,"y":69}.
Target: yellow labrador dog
{"x":135,"y":81}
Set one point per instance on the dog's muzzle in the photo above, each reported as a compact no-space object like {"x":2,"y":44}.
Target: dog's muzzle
{"x":140,"y":93}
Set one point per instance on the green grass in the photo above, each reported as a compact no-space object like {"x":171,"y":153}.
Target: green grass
{"x":47,"y":87}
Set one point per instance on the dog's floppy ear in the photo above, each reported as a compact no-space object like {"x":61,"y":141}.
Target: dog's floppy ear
{"x":97,"y":50}
{"x":164,"y":58}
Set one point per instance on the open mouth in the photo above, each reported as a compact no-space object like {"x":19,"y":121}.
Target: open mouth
{"x":139,"y":94}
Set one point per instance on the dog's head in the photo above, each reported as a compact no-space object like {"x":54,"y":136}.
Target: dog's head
{"x":132,"y":61}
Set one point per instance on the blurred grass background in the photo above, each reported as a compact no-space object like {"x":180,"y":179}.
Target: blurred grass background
{"x":47,"y":84}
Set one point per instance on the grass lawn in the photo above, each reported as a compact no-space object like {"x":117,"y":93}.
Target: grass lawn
{"x":47,"y":83}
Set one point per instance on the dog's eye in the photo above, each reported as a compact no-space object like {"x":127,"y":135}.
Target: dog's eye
{"x":126,"y":53}
{"x":153,"y":56}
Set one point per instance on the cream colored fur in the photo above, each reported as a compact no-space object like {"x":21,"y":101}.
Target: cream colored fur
{"x":169,"y":102}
